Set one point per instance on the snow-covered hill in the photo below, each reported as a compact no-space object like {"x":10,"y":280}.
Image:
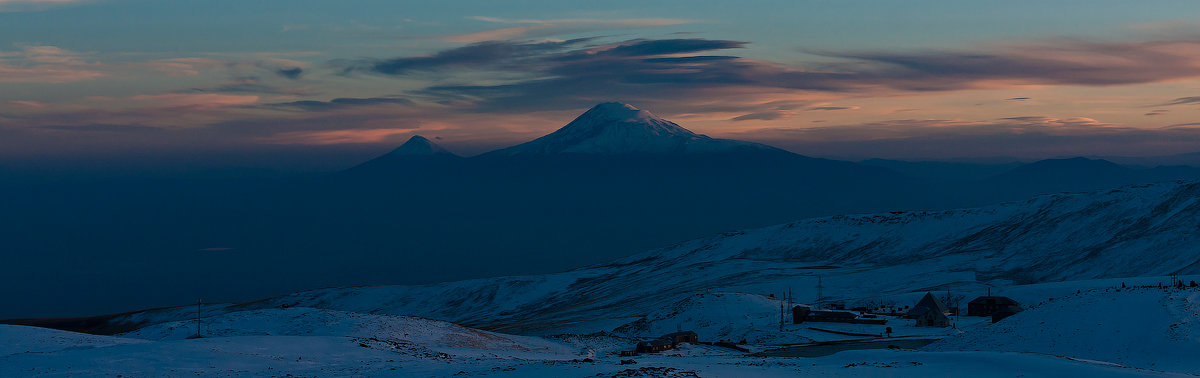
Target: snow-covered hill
{"x":402,"y":330}
{"x":1146,"y":327}
{"x":1147,"y":230}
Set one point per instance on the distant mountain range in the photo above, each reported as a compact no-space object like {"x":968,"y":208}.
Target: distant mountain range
{"x":614,"y":181}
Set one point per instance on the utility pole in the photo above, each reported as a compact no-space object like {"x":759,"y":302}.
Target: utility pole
{"x":789,"y":298}
{"x":819,"y":294}
{"x":780,"y":316}
{"x":199,"y":307}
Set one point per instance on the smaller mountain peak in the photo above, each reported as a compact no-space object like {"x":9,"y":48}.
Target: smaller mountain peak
{"x":419,"y":145}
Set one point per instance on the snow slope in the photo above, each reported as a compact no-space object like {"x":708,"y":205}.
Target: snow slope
{"x":1148,"y":230}
{"x":755,"y":319}
{"x":714,"y":317}
{"x":274,"y":342}
{"x":1144,"y":327}
{"x":22,"y":339}
{"x":341,"y":356}
{"x":441,"y":336}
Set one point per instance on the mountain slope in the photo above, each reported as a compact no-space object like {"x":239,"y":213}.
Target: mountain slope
{"x":416,"y":158}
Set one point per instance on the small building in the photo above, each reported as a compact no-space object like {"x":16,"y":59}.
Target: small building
{"x":667,"y":342}
{"x":801,"y":314}
{"x":682,"y":337}
{"x":654,"y":346}
{"x":929,"y":312}
{"x":988,"y":305}
{"x":932,"y":318}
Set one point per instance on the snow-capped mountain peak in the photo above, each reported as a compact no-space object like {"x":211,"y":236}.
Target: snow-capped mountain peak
{"x":614,"y":128}
{"x":419,"y":145}
{"x":619,"y":111}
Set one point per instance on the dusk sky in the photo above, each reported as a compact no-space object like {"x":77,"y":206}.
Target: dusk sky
{"x":136,"y":79}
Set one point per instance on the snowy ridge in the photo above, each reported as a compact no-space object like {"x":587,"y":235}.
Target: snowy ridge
{"x":1147,"y":230}
{"x":615,"y":128}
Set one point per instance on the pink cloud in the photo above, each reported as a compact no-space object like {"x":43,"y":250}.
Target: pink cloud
{"x":544,"y":28}
{"x":29,"y":104}
{"x":50,"y":75}
{"x":158,"y":110}
{"x":182,"y":66}
{"x":46,"y":64}
{"x":192,"y":66}
{"x":497,"y":34}
{"x":334,"y":136}
{"x":186,"y":100}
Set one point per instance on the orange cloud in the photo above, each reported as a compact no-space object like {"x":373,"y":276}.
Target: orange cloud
{"x":185,"y":100}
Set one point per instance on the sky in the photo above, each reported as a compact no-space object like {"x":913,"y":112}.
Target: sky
{"x":306,"y":85}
